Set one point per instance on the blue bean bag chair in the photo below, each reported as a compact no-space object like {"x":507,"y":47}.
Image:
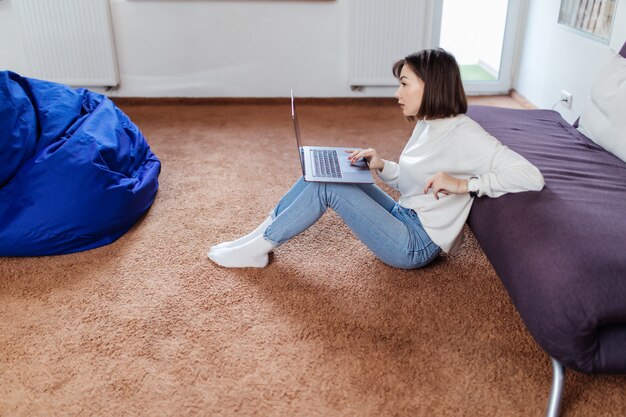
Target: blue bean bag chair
{"x":75,"y":172}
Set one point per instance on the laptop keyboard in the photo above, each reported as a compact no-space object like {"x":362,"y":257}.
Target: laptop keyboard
{"x":326,"y":163}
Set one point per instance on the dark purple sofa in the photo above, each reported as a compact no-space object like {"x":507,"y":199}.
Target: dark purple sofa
{"x":561,"y":252}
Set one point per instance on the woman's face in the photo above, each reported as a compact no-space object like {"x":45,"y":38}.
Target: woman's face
{"x":410,"y":91}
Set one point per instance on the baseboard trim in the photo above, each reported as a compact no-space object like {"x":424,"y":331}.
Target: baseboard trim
{"x":280,"y":101}
{"x":253,"y":101}
{"x":523,"y":101}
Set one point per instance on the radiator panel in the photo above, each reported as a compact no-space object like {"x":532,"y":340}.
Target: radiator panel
{"x":381,"y":32}
{"x":69,"y":41}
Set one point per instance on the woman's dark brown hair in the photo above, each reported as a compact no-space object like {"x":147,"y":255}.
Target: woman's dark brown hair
{"x":444,"y":95}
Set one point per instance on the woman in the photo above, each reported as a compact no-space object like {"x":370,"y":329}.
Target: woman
{"x":447,"y":162}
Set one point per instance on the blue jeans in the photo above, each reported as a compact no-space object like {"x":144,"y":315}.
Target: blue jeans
{"x":393,"y":233}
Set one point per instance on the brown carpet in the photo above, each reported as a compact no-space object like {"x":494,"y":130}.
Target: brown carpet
{"x":149,"y":326}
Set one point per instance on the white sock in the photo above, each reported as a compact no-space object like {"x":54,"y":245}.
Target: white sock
{"x":252,"y":254}
{"x":238,"y":242}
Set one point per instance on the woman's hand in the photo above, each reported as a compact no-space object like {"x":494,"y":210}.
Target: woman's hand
{"x":371,"y":156}
{"x":445,"y":184}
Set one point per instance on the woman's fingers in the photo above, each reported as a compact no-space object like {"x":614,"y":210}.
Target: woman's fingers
{"x":355,"y":155}
{"x":428,"y":185}
{"x":434,"y":183}
{"x":442,"y":191}
{"x":370,"y":155}
{"x":442,"y":183}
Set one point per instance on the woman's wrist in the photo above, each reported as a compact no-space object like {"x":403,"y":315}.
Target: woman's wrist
{"x":462,"y":187}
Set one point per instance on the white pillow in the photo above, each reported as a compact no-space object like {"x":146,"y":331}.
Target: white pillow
{"x":604,"y":117}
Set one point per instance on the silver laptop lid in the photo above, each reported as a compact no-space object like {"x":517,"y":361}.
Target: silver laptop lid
{"x":296,"y":127}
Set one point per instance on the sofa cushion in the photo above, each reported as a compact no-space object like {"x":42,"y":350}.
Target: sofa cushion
{"x":604,"y":117}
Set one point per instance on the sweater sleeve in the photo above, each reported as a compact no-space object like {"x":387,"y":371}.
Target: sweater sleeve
{"x":389,"y":174}
{"x":510,"y":173}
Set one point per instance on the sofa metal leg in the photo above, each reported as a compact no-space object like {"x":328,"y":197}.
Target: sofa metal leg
{"x":558,"y":383}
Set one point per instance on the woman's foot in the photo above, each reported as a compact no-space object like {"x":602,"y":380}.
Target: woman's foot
{"x":238,"y":242}
{"x":252,"y":254}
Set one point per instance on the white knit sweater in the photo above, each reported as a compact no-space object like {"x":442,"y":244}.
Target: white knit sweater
{"x":457,"y":146}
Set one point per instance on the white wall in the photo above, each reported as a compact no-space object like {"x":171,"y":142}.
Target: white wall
{"x":261,"y":48}
{"x":231,"y":48}
{"x":217,"y":48}
{"x":555,"y":58}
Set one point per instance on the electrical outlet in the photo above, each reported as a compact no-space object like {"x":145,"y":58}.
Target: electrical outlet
{"x":566,"y":99}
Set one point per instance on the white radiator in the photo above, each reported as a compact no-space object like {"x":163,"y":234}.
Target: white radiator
{"x":69,"y":41}
{"x":383,"y":31}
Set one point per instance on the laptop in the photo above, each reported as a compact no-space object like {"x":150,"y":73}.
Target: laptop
{"x":328,"y":164}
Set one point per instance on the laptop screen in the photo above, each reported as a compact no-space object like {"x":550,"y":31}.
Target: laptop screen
{"x":294,"y":118}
